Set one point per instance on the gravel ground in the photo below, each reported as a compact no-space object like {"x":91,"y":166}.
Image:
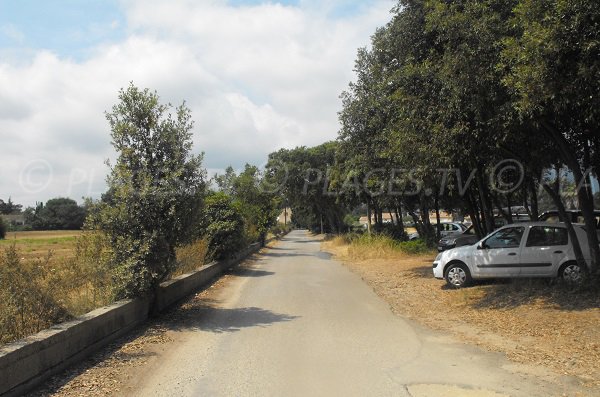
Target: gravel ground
{"x":532,"y":321}
{"x":113,"y":370}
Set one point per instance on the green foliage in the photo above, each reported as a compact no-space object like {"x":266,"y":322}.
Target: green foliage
{"x":57,"y":214}
{"x":279,"y":229}
{"x":155,"y":190}
{"x":223,"y":226}
{"x":302,"y":177}
{"x":258,"y":205}
{"x":9,"y":207}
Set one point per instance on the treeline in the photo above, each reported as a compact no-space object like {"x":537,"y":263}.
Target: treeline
{"x":57,"y":214}
{"x":475,"y":106}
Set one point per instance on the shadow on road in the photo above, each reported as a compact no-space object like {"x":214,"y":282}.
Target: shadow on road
{"x":282,"y":255}
{"x":240,"y":272}
{"x":208,"y":316}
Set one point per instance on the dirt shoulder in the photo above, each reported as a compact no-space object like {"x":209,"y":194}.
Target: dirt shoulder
{"x":532,"y":321}
{"x":117,"y":369}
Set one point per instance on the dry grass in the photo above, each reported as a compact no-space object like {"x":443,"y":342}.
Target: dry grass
{"x":190,"y":257}
{"x":35,"y":245}
{"x":532,"y":321}
{"x":49,"y":277}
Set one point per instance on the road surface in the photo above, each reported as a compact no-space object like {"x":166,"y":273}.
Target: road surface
{"x":298,"y":323}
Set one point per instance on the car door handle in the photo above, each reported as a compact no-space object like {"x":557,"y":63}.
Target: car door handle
{"x":558,"y":252}
{"x":512,"y":254}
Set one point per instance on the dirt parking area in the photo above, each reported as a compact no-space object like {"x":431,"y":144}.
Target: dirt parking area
{"x":533,"y":321}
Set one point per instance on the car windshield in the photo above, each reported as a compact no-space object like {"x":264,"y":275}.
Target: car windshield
{"x":505,"y":238}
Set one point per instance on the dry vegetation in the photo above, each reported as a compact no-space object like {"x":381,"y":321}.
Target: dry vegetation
{"x":35,"y":245}
{"x":532,"y":321}
{"x":52,"y":276}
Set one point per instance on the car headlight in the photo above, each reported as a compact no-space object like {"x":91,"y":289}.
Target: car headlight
{"x":438,"y":257}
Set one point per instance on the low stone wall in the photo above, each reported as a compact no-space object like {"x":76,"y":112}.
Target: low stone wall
{"x":27,"y":363}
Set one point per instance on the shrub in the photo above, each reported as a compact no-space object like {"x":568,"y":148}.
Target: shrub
{"x":280,"y":229}
{"x":223,"y":226}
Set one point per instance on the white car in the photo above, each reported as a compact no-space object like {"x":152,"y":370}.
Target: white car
{"x":529,"y":249}
{"x":446,"y":229}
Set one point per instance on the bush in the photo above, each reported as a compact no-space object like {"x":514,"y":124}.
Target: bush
{"x":280,"y":229}
{"x":223,"y":226}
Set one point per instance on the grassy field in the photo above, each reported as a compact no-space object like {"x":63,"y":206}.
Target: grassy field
{"x":32,"y":245}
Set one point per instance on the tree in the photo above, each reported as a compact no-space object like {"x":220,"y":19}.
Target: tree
{"x":258,"y":205}
{"x":9,"y":207}
{"x":155,"y":191}
{"x":57,"y":214}
{"x":553,"y":69}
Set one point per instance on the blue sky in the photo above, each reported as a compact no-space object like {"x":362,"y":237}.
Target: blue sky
{"x":257,"y":76}
{"x":68,"y":27}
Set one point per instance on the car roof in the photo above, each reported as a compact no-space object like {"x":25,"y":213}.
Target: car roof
{"x":538,"y":223}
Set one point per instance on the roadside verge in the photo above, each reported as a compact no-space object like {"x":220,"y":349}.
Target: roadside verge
{"x":27,"y":363}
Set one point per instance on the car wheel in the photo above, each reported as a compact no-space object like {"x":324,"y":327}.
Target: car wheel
{"x":458,"y":275}
{"x":572,"y":273}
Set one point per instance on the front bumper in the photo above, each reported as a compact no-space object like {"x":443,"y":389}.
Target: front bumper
{"x":437,"y":270}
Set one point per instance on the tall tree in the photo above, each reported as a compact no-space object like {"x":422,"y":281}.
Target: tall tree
{"x":156,"y":188}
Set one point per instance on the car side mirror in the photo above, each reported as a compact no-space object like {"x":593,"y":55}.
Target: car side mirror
{"x":481,"y":245}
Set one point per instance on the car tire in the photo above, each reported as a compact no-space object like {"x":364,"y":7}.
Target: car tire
{"x":572,"y":273}
{"x":457,"y":275}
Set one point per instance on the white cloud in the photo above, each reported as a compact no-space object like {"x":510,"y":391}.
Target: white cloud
{"x":257,"y":78}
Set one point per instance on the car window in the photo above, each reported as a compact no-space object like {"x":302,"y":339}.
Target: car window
{"x":505,"y":238}
{"x":454,"y":227}
{"x":542,"y":236}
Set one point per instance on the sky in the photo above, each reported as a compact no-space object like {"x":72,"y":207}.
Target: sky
{"x":257,"y":76}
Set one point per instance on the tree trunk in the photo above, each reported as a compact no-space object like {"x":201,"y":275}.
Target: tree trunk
{"x":486,"y":211}
{"x":567,"y":220}
{"x":586,"y":204}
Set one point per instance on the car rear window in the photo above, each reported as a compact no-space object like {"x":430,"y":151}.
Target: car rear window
{"x":543,"y":236}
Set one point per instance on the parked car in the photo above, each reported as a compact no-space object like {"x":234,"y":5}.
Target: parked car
{"x":446,"y":229}
{"x":469,"y":236}
{"x":528,"y":249}
{"x":575,"y":216}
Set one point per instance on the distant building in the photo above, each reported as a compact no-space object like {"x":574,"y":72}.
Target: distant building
{"x":285,"y":216}
{"x":387,"y":218}
{"x":14,"y":219}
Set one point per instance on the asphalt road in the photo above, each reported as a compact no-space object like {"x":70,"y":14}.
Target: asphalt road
{"x":300,"y":324}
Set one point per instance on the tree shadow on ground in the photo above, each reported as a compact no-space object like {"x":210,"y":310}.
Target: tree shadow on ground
{"x":282,"y":255}
{"x":306,"y":241}
{"x":206,"y":315}
{"x":507,"y":294}
{"x":249,"y":272}
{"x":421,"y":272}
